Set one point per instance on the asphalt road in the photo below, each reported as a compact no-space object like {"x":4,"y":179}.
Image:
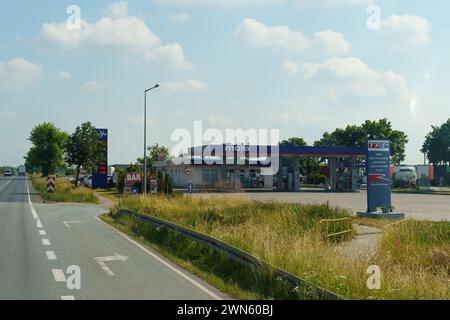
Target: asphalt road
{"x":43,"y":249}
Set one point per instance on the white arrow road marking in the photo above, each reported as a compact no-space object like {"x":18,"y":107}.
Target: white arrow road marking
{"x":51,"y":255}
{"x":163,"y":261}
{"x":117,"y":257}
{"x":59,"y":275}
{"x":68,"y":223}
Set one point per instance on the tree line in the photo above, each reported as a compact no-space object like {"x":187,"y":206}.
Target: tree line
{"x":436,"y":146}
{"x":53,"y":149}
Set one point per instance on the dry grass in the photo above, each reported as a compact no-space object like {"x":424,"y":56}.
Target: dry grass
{"x":413,"y":256}
{"x":65,"y":191}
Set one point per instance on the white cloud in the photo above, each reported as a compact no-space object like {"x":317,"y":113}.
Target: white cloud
{"x":117,"y":10}
{"x":302,"y":119}
{"x":64,"y":75}
{"x":331,"y":42}
{"x":187,"y":85}
{"x":118,"y":32}
{"x":93,"y":85}
{"x":180,"y":17}
{"x":170,"y":55}
{"x":332,"y":3}
{"x":218,"y":3}
{"x":363,"y":80}
{"x":218,"y":121}
{"x":258,"y":34}
{"x":126,"y":33}
{"x":407,"y":30}
{"x":290,"y":67}
{"x":18,"y":73}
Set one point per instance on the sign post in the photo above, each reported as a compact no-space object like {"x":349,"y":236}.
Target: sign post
{"x":132,"y":178}
{"x":51,"y":185}
{"x":379,"y":180}
{"x":100,"y":176}
{"x":153,"y":186}
{"x":190,"y":188}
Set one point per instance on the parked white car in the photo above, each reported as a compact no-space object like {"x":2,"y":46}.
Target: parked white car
{"x":88,"y":181}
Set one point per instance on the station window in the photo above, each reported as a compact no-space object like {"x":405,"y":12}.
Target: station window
{"x":210,"y":176}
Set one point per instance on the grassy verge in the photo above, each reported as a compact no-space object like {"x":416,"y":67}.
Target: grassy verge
{"x":215,"y":268}
{"x":289,"y":236}
{"x":417,"y":254}
{"x":112,"y":194}
{"x":375,"y":223}
{"x":65,"y":191}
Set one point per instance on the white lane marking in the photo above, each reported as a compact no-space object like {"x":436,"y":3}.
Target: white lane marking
{"x":117,"y":257}
{"x":68,"y":223}
{"x":4,"y":186}
{"x":59,"y":275}
{"x":33,"y":211}
{"x":51,"y":255}
{"x":180,"y":273}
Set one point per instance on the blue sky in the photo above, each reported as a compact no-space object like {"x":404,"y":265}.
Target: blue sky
{"x":301,"y":66}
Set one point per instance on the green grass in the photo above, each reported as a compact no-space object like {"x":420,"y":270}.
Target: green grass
{"x":65,"y":191}
{"x":215,"y":268}
{"x":413,"y":255}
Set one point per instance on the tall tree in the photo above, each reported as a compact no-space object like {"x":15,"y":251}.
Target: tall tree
{"x":84,"y":148}
{"x":156,"y":153}
{"x":294,"y":141}
{"x":304,"y":162}
{"x":357,"y":136}
{"x":46,"y":153}
{"x":437,"y":144}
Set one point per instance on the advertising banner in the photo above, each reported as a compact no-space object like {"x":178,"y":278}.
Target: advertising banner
{"x":132,"y":178}
{"x":379,"y":175}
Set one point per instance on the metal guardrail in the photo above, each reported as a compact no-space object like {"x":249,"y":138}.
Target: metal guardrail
{"x":234,"y":253}
{"x":335,"y":222}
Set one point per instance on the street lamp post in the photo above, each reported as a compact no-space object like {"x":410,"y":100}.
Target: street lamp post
{"x":145,"y":137}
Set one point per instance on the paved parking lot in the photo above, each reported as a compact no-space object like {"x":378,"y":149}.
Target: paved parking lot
{"x":418,"y":206}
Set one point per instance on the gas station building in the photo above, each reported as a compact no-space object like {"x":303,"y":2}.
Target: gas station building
{"x":244,"y":172}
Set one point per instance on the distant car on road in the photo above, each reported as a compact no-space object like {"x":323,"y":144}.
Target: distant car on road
{"x":8,"y":173}
{"x":22,"y":171}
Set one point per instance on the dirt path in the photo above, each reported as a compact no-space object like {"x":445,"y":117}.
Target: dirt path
{"x":105,"y":202}
{"x":365,"y":244}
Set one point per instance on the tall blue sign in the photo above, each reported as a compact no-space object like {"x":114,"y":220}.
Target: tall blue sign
{"x":100,"y":176}
{"x":379,"y":176}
